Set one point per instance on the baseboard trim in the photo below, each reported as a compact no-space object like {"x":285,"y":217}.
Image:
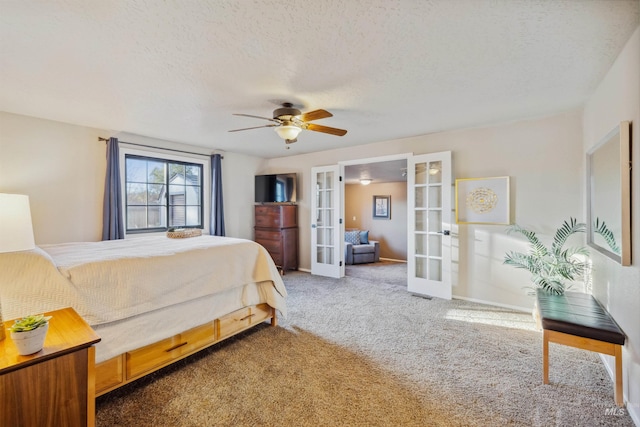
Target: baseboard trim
{"x":633,"y":410}
{"x":306,"y":270}
{"x":480,"y":301}
{"x":634,"y":413}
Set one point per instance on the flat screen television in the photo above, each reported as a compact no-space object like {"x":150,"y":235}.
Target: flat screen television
{"x":276,"y":188}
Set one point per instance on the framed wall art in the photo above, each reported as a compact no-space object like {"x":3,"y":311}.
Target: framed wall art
{"x":482,"y":200}
{"x":382,"y":207}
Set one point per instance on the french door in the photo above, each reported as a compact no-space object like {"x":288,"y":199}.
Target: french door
{"x":326,"y":244}
{"x":429,"y":224}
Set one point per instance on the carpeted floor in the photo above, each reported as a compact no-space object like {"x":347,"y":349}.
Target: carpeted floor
{"x":389,"y":272}
{"x":361,"y":351}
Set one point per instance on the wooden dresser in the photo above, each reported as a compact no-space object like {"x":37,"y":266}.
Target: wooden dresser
{"x":277,"y":230}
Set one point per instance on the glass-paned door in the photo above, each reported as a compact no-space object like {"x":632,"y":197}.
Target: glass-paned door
{"x":429,"y":224}
{"x":325,"y":222}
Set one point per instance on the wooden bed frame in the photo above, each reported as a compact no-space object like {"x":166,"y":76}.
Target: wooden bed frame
{"x":135,"y":364}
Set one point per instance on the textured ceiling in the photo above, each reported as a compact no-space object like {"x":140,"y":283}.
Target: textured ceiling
{"x":386,"y":69}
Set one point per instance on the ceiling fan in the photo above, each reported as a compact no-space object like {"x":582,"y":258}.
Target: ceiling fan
{"x":288,"y":122}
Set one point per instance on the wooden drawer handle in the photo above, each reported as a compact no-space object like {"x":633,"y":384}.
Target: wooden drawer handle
{"x":246,"y":317}
{"x":176,"y":346}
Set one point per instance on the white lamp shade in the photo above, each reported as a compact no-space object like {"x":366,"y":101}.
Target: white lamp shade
{"x":288,"y":131}
{"x":16,"y":231}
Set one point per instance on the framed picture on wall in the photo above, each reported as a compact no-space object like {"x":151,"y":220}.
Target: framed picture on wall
{"x":482,"y":200}
{"x":382,"y":207}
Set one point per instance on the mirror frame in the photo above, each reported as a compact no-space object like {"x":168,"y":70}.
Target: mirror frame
{"x":620,"y":135}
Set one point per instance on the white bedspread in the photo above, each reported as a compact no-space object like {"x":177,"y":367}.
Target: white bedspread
{"x":113,"y":280}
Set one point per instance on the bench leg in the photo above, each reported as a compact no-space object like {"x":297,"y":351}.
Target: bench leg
{"x":585,"y":344}
{"x":545,"y":357}
{"x":617,"y":394}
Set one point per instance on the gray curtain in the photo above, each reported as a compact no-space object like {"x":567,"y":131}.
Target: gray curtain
{"x":216,"y":223}
{"x":112,"y":224}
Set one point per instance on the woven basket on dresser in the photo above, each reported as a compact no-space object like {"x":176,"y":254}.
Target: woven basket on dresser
{"x":184,"y":233}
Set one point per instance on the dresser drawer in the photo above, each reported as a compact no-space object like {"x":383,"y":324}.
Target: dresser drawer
{"x":274,"y":249}
{"x":234,"y":322}
{"x":198,"y":337}
{"x":109,"y":373}
{"x":276,"y":216}
{"x":268,"y":221}
{"x":146,"y":358}
{"x":267,"y":235}
{"x":160,"y":353}
{"x":273,"y":246}
{"x":242,"y":319}
{"x":260,"y":313}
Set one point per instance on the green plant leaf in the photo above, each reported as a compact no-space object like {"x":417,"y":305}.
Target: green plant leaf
{"x":601,"y":229}
{"x":551,"y":269}
{"x":29,"y":323}
{"x":536,"y":245}
{"x":564,"y":232}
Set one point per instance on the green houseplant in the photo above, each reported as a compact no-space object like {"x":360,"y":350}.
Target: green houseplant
{"x":29,"y":333}
{"x":553,"y":269}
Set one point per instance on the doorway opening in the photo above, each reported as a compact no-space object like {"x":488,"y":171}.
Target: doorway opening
{"x":375,"y":209}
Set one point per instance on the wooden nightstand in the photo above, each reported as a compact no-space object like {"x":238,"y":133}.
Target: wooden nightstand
{"x":56,"y":386}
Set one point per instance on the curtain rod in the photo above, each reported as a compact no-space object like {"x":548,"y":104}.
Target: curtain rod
{"x":157,"y":148}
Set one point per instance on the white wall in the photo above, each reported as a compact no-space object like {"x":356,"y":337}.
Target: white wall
{"x":238,"y":178}
{"x":542,"y":156}
{"x":61,"y":167}
{"x":617,"y":99}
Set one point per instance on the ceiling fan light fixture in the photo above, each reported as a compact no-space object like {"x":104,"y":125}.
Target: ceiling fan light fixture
{"x":288,"y":132}
{"x":365,"y":181}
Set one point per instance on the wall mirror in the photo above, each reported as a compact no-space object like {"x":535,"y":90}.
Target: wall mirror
{"x":609,"y":194}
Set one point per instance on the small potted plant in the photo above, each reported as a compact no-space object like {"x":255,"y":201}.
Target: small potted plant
{"x":29,"y":333}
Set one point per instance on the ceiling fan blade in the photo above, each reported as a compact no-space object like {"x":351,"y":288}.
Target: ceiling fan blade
{"x":315,"y":115}
{"x":258,"y":117}
{"x":326,"y":129}
{"x":255,"y":127}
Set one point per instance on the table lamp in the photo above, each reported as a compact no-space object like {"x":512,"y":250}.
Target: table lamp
{"x":16,"y":231}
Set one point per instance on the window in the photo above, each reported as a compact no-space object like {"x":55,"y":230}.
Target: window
{"x":162,"y":193}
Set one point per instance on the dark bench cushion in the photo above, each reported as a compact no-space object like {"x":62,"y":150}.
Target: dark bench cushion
{"x":578,"y":314}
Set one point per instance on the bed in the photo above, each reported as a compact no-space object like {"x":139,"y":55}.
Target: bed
{"x":153,"y":300}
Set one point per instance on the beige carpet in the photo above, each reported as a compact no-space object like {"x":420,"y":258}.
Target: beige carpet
{"x":362,"y":352}
{"x":389,"y":272}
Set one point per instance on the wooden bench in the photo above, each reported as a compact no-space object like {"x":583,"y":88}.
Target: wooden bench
{"x":578,"y":320}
